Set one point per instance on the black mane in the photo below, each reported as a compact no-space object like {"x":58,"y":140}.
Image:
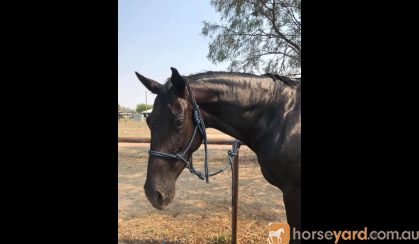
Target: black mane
{"x":275,"y":77}
{"x":284,"y":79}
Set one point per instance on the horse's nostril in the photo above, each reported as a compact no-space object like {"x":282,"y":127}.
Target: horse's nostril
{"x":160,"y":197}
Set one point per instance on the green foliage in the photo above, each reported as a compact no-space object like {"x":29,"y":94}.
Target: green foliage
{"x":125,"y":109}
{"x":143,"y":107}
{"x":255,"y":35}
{"x":221,"y":238}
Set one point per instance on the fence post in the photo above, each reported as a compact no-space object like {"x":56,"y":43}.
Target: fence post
{"x":235,"y":198}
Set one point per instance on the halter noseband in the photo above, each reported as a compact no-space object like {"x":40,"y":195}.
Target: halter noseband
{"x":199,"y":126}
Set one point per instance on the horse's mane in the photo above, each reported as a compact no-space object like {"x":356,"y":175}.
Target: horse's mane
{"x":285,"y":80}
{"x":275,"y":77}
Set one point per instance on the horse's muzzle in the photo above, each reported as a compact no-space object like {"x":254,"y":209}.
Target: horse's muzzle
{"x":159,"y":199}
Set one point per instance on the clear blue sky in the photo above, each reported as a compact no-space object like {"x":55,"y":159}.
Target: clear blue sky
{"x":154,"y":35}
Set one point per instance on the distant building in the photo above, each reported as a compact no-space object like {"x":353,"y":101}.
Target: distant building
{"x":125,"y":115}
{"x":136,"y":116}
{"x":146,"y":112}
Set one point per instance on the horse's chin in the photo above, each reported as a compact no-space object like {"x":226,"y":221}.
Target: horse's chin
{"x":159,"y":199}
{"x":159,"y":207}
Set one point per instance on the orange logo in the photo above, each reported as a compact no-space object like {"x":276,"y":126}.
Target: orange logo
{"x":279,"y":233}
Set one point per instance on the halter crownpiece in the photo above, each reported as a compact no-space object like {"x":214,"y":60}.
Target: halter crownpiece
{"x":199,"y":126}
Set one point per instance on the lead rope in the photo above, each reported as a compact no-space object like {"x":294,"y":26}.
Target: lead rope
{"x":199,"y":123}
{"x":233,"y":153}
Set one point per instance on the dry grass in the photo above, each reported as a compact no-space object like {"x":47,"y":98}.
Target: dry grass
{"x":200,"y":212}
{"x":133,"y":128}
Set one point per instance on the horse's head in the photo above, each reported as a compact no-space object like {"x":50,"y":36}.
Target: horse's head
{"x":171,"y":128}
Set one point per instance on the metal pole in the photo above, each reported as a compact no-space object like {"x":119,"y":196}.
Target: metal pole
{"x":148,"y":140}
{"x":235,"y":198}
{"x":146,"y":107}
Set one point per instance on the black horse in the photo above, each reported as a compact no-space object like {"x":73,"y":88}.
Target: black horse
{"x":264,"y":112}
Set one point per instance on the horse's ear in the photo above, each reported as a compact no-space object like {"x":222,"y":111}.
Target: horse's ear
{"x":151,"y":85}
{"x":178,"y":82}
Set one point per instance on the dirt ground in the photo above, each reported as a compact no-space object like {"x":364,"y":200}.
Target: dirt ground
{"x":200,"y":212}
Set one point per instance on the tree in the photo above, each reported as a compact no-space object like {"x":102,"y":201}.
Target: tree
{"x":143,"y":107}
{"x":257,"y":34}
{"x":125,"y":109}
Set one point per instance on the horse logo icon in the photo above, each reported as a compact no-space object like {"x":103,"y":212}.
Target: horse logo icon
{"x":279,"y":233}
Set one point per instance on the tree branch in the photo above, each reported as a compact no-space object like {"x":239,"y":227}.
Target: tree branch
{"x":290,"y":12}
{"x":273,"y":22}
{"x":274,"y":53}
{"x":250,"y":34}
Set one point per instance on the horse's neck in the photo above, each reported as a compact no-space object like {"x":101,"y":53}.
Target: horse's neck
{"x":238,"y":109}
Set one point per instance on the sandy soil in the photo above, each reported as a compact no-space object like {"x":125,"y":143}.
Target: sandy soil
{"x":200,"y":212}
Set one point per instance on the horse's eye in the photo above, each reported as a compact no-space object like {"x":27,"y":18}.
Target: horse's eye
{"x":179,"y":123}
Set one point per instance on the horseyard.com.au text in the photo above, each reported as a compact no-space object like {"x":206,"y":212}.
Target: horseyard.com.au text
{"x":363,"y":234}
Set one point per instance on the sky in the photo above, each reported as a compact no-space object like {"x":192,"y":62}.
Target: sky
{"x":154,"y":35}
